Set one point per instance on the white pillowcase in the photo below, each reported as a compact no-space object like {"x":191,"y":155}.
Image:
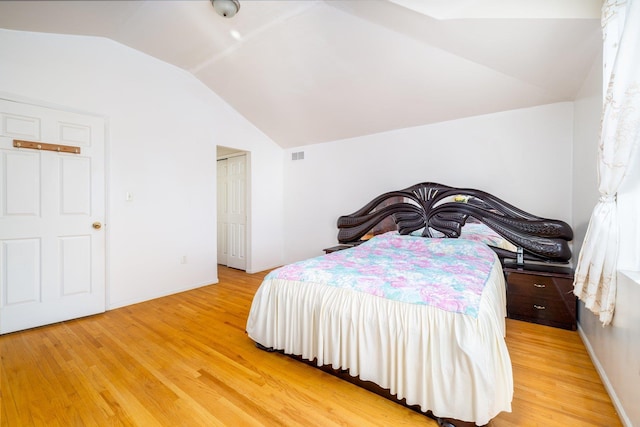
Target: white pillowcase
{"x":478,"y":232}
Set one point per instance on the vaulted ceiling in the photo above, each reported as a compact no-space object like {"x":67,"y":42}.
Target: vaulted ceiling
{"x":313,"y":71}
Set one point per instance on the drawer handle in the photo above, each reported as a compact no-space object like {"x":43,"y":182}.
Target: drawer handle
{"x":539,"y":285}
{"x":539,"y":307}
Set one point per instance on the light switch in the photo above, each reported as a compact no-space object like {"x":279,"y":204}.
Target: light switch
{"x":128,"y":197}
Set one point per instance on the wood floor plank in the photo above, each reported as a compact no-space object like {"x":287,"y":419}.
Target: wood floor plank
{"x":185,"y":360}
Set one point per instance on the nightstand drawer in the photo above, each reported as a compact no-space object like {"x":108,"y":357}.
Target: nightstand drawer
{"x":540,"y":310}
{"x":531,"y":285}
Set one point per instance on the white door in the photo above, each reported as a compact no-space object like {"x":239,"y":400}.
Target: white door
{"x":237,"y":212}
{"x":232,"y":212}
{"x":52,"y":244}
{"x":223,"y":211}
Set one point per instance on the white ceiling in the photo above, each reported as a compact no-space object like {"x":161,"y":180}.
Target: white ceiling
{"x":312,"y":71}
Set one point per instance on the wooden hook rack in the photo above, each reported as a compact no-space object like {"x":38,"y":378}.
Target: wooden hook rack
{"x":48,"y":147}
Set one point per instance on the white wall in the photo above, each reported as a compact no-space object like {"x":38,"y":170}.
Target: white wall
{"x":587,"y":108}
{"x":614,"y":349}
{"x":163,"y":128}
{"x":522,"y":156}
{"x":629,"y":206}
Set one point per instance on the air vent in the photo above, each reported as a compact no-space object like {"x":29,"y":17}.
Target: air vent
{"x":299,"y":155}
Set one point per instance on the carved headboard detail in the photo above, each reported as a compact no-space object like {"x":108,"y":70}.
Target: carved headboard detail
{"x":431,"y":206}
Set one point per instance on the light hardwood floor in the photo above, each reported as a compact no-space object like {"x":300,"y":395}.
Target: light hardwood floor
{"x":185,"y":360}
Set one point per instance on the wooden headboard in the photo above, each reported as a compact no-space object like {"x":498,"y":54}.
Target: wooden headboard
{"x":430,"y":206}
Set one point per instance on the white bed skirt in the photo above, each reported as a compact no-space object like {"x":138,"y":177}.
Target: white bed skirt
{"x":455,"y":365}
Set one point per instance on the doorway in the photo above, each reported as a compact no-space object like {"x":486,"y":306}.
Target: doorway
{"x":232,"y":207}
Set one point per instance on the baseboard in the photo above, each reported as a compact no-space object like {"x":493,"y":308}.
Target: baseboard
{"x":261,"y":269}
{"x":119,"y":304}
{"x":605,"y":379}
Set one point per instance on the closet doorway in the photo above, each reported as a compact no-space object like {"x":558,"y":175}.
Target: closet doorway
{"x":232,"y":207}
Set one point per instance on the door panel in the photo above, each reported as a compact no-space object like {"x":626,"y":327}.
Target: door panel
{"x":20,"y":127}
{"x":222,"y":211}
{"x":75,"y":262}
{"x":237,"y":216}
{"x":75,"y":179}
{"x":21,"y":195}
{"x":21,"y":267}
{"x":52,"y":261}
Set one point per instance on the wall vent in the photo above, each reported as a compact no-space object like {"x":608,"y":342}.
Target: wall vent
{"x":299,"y":155}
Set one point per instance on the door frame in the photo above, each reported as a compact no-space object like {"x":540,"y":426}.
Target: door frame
{"x":225,"y":152}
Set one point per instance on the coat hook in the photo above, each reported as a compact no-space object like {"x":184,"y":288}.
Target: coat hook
{"x":48,"y":147}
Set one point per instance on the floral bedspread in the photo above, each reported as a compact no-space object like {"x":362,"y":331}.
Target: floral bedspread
{"x":449,"y":274}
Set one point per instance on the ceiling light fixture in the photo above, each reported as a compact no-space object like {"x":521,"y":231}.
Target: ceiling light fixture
{"x":226,"y":8}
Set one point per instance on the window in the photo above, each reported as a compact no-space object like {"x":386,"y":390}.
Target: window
{"x":628,"y":214}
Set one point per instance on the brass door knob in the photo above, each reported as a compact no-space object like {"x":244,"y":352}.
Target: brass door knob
{"x":97,"y":225}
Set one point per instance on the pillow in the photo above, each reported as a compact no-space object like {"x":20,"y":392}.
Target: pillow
{"x":480,"y":232}
{"x":477,"y":232}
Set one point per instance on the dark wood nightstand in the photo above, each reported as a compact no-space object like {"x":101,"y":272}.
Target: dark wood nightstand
{"x":342,"y":247}
{"x":336,"y":248}
{"x":541,"y":294}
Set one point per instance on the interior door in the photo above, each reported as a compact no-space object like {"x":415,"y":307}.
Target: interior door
{"x":223,"y":211}
{"x":52,"y":243}
{"x":232,"y":212}
{"x":237,"y":212}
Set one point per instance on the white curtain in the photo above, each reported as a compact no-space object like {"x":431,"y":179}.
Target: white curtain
{"x":595,"y":281}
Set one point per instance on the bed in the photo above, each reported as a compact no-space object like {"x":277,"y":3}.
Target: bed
{"x":416,"y":312}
